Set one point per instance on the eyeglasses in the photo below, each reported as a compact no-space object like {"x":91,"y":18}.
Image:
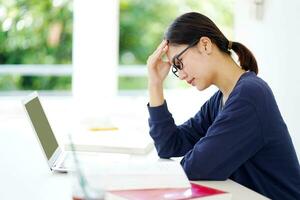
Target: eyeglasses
{"x":177,"y":62}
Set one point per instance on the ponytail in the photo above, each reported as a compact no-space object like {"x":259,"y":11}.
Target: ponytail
{"x":246,"y":58}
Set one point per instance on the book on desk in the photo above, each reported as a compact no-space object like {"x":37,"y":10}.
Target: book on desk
{"x":163,"y":179}
{"x":194,"y":192}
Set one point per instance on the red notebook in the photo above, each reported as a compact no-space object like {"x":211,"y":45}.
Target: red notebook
{"x":195,"y":192}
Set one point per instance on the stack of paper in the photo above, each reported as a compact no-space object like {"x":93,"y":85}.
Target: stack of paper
{"x":111,"y":141}
{"x":139,"y":175}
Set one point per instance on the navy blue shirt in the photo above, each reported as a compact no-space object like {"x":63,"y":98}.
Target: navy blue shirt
{"x":245,"y":140}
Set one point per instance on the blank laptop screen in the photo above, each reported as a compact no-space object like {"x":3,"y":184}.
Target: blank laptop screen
{"x":41,"y":126}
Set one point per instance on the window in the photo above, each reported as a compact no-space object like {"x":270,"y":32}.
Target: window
{"x":36,"y":40}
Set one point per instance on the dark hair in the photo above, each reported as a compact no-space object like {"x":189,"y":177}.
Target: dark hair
{"x":192,"y":26}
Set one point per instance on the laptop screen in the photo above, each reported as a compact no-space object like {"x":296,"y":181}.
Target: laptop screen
{"x":41,"y":125}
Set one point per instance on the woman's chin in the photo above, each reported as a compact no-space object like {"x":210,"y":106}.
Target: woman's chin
{"x":201,"y":87}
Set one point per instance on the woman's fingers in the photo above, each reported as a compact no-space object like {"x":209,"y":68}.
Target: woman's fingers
{"x":157,"y":54}
{"x":165,"y":49}
{"x":162,"y":44}
{"x":162,"y":48}
{"x":166,"y":64}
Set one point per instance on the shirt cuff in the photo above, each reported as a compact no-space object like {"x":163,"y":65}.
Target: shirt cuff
{"x":158,"y":113}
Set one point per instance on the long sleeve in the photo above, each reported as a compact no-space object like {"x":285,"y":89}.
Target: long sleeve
{"x":248,"y":141}
{"x":233,"y":138}
{"x":174,"y":141}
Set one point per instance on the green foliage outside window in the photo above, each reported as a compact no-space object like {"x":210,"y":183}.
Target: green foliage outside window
{"x":35,"y":32}
{"x":40,"y":32}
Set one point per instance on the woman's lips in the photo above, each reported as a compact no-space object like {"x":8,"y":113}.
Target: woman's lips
{"x":191,"y":81}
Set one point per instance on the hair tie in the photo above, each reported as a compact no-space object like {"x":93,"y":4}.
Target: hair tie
{"x":229,"y":45}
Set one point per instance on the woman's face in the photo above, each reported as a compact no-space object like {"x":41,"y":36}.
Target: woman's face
{"x":197,"y":66}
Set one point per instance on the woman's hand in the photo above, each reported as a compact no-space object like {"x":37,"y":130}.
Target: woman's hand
{"x":157,"y":72}
{"x":157,"y":68}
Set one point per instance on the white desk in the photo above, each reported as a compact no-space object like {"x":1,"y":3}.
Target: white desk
{"x":24,"y":173}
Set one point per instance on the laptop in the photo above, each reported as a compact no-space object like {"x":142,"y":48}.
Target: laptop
{"x":56,"y":157}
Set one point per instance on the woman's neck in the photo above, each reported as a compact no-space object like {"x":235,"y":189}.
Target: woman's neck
{"x":227,"y":75}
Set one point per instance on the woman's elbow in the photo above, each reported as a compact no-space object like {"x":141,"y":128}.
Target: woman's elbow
{"x":202,"y":174}
{"x":163,"y":154}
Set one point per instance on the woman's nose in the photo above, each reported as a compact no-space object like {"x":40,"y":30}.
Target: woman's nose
{"x":182,"y":74}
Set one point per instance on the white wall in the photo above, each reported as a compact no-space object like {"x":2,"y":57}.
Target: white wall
{"x":275,"y":41}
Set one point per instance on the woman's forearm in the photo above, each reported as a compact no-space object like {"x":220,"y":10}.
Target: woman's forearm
{"x":156,"y":95}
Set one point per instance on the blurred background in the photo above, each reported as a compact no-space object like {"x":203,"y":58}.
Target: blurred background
{"x":37,"y":39}
{"x":95,"y":51}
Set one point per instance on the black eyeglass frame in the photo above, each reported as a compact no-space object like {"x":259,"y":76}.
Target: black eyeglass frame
{"x":176,"y":67}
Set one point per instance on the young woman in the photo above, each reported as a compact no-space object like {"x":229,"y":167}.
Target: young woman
{"x":239,"y":132}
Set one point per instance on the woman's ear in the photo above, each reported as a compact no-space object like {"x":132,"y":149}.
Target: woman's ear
{"x":204,"y":45}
